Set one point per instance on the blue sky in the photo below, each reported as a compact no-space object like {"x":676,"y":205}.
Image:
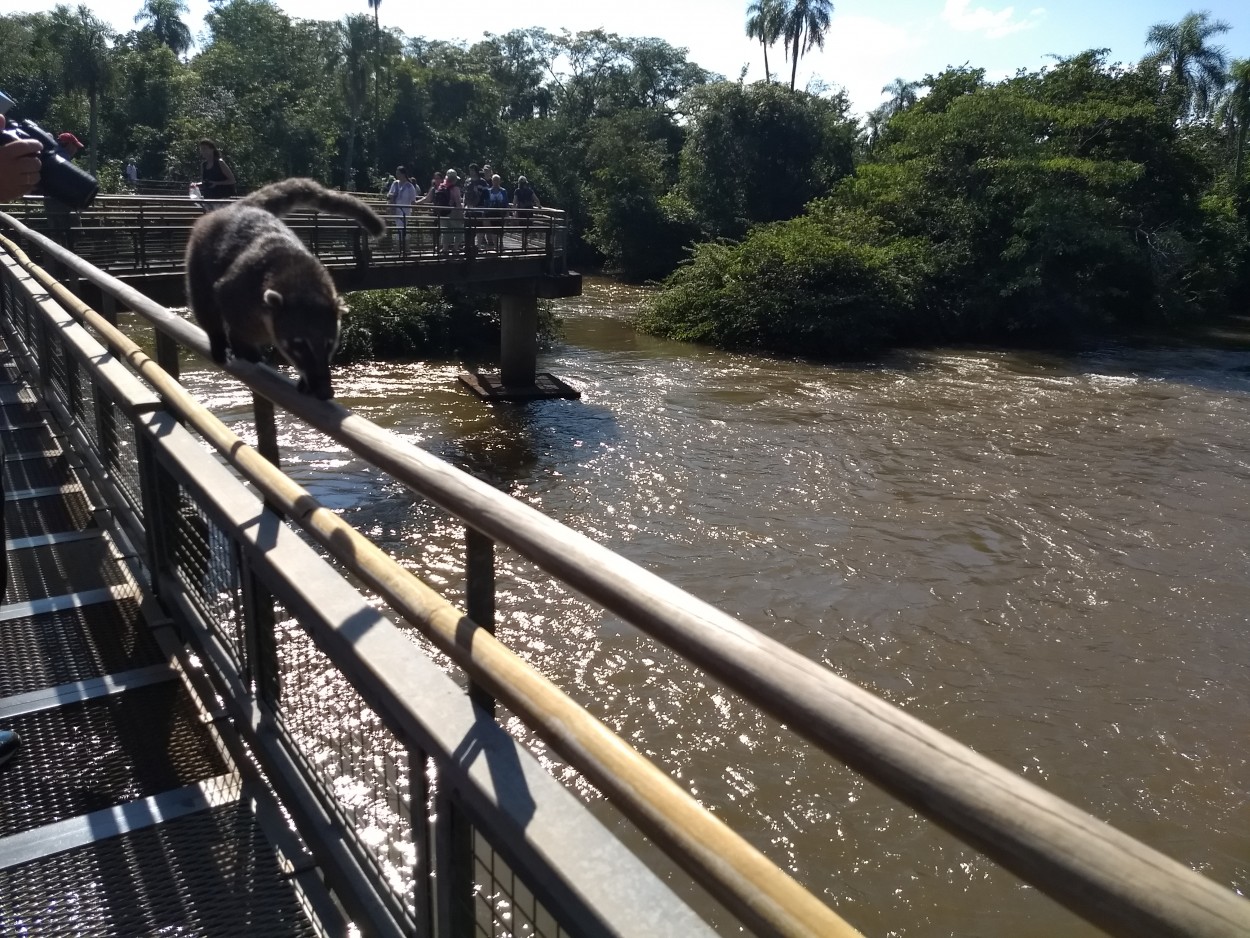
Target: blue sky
{"x":870,"y":43}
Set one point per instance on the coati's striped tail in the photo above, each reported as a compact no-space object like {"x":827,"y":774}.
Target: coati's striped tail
{"x":281,"y":198}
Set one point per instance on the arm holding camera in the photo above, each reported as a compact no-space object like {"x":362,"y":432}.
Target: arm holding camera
{"x":19,"y":167}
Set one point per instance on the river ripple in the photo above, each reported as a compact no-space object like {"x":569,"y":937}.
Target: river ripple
{"x":1042,"y":555}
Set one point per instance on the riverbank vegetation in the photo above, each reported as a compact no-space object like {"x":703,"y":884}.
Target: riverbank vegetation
{"x":1087,"y":195}
{"x":1080,"y":198}
{"x":427,"y":322}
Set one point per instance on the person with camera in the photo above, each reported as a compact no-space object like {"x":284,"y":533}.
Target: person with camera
{"x":19,"y":174}
{"x":19,"y":167}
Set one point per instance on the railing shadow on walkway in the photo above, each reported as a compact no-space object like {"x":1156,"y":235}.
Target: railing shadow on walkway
{"x":1101,"y":874}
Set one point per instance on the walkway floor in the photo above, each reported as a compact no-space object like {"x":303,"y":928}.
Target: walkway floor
{"x":122,"y":813}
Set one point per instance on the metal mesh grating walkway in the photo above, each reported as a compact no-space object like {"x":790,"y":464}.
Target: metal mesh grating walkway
{"x":120,"y":814}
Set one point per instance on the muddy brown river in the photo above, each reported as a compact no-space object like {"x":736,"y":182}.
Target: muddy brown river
{"x":1045,"y":555}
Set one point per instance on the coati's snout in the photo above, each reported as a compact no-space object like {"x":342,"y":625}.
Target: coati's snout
{"x":307,"y":335}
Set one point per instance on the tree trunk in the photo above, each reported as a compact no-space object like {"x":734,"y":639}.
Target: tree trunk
{"x":1241,"y":152}
{"x":93,"y":128}
{"x":794,"y":66}
{"x":349,"y":157}
{"x":767,"y":77}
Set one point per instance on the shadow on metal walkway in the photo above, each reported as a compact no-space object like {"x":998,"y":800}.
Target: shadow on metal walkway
{"x":121,"y":814}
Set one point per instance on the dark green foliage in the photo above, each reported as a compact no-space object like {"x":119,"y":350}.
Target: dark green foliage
{"x":1047,"y":206}
{"x":759,"y":153}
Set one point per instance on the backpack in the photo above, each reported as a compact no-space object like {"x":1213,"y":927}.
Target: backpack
{"x":478,"y":188}
{"x":525,"y":197}
{"x":442,"y":200}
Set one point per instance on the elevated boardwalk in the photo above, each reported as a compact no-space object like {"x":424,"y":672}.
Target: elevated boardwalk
{"x":522,"y":257}
{"x":407,"y":807}
{"x":123,"y":813}
{"x":141,"y":241}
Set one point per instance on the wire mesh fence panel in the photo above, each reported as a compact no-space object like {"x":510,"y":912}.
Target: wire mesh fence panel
{"x":204,"y":560}
{"x":360,"y":769}
{"x":503,"y":906}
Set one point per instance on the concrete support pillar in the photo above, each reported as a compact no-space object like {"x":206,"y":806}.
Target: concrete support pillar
{"x":519,"y":340}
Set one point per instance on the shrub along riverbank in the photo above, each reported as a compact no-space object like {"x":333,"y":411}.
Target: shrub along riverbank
{"x":1054,"y":204}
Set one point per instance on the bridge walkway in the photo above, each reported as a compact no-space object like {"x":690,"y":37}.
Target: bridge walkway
{"x":122,"y":812}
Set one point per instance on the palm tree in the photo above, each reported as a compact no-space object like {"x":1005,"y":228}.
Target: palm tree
{"x":765,"y":20}
{"x":355,"y":40}
{"x":83,"y":41}
{"x":1233,"y":112}
{"x":377,"y":56}
{"x":902,"y":96}
{"x":165,"y":23}
{"x":1195,"y":72}
{"x":805,"y":26}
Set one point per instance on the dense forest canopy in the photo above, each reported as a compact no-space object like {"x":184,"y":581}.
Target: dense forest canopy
{"x":1083,"y":195}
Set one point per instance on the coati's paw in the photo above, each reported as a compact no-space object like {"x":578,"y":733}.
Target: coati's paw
{"x":249,"y":353}
{"x":217,"y":349}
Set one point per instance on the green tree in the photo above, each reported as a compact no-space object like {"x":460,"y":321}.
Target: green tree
{"x":84,"y":42}
{"x":1233,"y":112}
{"x":806,"y":23}
{"x":758,"y":153}
{"x":633,"y":169}
{"x":356,"y":42}
{"x":164,"y":22}
{"x":902,"y":96}
{"x":765,"y":22}
{"x":1194,"y":70}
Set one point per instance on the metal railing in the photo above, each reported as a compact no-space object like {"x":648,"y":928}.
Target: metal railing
{"x":1103,"y":875}
{"x":130,"y":235}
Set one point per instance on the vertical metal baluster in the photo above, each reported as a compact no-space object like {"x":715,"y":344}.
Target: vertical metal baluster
{"x":422,"y":842}
{"x":159,"y":494}
{"x":167,"y":354}
{"x":479,"y":590}
{"x":260,"y":636}
{"x":453,"y":866}
{"x":266,"y":429}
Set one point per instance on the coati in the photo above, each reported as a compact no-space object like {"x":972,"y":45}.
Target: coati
{"x":251,"y":282}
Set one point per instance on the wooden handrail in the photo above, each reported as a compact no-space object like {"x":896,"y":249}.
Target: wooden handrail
{"x":1099,"y":873}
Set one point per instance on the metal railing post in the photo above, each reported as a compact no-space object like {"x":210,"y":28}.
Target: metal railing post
{"x":453,"y":866}
{"x":266,"y":429}
{"x":159,"y":495}
{"x":167,"y":354}
{"x":260,"y":638}
{"x":479,"y":598}
{"x":419,"y":819}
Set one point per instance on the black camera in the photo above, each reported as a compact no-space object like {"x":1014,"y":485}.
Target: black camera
{"x":58,"y":177}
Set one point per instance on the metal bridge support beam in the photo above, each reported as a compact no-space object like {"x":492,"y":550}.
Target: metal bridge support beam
{"x":519,"y":340}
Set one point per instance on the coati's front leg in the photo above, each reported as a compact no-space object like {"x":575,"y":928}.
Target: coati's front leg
{"x":203,"y":300}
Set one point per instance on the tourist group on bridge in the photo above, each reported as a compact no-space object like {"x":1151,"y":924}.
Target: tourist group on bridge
{"x":480,"y":197}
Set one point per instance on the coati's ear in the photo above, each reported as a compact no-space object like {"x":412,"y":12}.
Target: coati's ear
{"x":273,"y":298}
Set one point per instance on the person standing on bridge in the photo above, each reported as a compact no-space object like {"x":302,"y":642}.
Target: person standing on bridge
{"x":449,"y":195}
{"x":19,"y":174}
{"x":216,"y":178}
{"x":401,"y":194}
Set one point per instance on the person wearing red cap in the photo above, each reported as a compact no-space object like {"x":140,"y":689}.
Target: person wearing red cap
{"x":70,"y":144}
